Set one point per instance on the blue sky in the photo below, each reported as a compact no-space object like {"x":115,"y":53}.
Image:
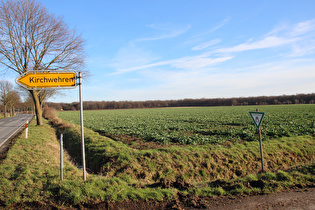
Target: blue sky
{"x":176,"y":49}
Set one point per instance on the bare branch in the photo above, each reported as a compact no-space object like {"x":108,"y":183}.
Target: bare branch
{"x":31,"y":38}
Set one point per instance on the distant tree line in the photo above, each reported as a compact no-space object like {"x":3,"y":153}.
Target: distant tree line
{"x":11,"y":101}
{"x":243,"y":101}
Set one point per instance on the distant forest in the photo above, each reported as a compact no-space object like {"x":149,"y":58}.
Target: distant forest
{"x":242,"y":101}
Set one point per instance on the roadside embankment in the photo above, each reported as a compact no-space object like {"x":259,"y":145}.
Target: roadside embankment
{"x":30,"y":172}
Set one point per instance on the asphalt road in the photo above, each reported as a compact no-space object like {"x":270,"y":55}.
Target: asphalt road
{"x":9,"y":127}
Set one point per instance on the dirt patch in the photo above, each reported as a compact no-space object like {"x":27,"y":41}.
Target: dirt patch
{"x":294,"y":199}
{"x":301,"y":199}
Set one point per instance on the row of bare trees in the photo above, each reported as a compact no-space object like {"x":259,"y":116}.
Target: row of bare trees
{"x":11,"y":100}
{"x":261,"y":100}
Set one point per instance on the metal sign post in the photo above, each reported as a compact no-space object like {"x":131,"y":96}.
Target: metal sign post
{"x":261,"y":150}
{"x":55,"y":79}
{"x":82,"y":128}
{"x":258,"y":117}
{"x":61,"y":157}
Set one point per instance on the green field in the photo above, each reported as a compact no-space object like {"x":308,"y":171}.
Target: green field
{"x":198,"y":125}
{"x":193,"y":144}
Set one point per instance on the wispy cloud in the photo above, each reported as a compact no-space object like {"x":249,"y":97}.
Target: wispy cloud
{"x":303,"y":27}
{"x":195,"y":62}
{"x":278,"y":37}
{"x":164,"y":31}
{"x":189,"y":62}
{"x":223,"y":23}
{"x":199,"y":37}
{"x":282,"y":35}
{"x":268,"y":42}
{"x":294,"y":30}
{"x":303,"y":49}
{"x":132,"y":55}
{"x":215,"y":28}
{"x":207,"y":44}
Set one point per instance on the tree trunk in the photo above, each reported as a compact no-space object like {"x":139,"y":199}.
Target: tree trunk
{"x":11,"y":111}
{"x":38,"y":107}
{"x":5,"y":110}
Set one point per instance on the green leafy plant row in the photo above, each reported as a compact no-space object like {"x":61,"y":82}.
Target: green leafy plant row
{"x":198,"y":125}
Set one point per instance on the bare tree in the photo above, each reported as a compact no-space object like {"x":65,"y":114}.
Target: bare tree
{"x":28,"y":104}
{"x":15,"y":100}
{"x":31,"y":38}
{"x":5,"y":89}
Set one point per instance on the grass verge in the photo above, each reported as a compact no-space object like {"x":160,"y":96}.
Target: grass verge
{"x":30,"y":177}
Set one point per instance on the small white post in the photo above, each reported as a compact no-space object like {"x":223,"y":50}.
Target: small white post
{"x":61,"y":157}
{"x":26,"y":129}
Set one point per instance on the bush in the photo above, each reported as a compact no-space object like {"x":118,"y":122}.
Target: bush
{"x":50,"y":114}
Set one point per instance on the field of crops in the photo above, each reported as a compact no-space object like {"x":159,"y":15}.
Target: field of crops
{"x":198,"y":125}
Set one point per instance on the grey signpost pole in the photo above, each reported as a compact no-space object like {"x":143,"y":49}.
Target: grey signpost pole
{"x":61,"y":157}
{"x":257,"y":117}
{"x":82,"y":128}
{"x":261,"y":149}
{"x":55,"y":79}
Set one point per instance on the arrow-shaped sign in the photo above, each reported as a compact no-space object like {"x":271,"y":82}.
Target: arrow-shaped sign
{"x":257,"y":117}
{"x":42,"y":79}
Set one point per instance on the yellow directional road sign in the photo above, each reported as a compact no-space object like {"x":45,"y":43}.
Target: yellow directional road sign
{"x":42,"y":79}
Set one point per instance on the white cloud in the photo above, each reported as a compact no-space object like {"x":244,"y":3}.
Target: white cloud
{"x":280,"y":36}
{"x":233,"y":82}
{"x":220,"y":25}
{"x":196,"y":62}
{"x":189,"y":62}
{"x":303,"y":27}
{"x":132,"y":55}
{"x":168,"y":31}
{"x":268,"y":42}
{"x":139,"y":67}
{"x":294,"y":30}
{"x":303,"y":49}
{"x":206,"y":44}
{"x":277,"y":30}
